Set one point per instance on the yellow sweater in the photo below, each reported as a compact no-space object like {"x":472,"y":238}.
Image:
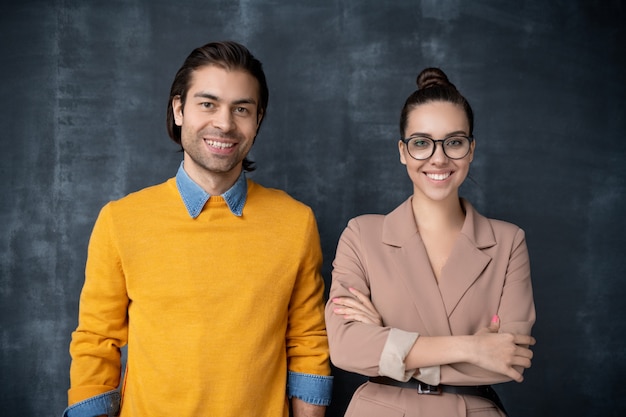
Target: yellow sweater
{"x":215,"y":310}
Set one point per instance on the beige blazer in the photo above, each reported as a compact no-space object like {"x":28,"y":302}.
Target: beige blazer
{"x":487,"y":273}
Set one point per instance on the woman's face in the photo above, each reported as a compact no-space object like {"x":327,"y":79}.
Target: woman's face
{"x":437,"y":178}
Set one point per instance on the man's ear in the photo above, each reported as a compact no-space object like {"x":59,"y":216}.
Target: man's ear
{"x":177,"y":109}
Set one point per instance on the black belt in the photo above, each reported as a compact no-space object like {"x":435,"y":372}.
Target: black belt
{"x":483,"y":391}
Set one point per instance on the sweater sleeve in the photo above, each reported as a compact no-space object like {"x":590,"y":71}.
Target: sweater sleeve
{"x":102,"y":318}
{"x":307,"y":344}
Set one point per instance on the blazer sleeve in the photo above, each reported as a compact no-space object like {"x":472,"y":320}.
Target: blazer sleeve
{"x":516,"y":311}
{"x":354,"y":346}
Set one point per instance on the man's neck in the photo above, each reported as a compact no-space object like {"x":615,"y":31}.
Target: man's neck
{"x":214,"y":183}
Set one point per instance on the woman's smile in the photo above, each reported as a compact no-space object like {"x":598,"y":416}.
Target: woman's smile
{"x":441,"y":176}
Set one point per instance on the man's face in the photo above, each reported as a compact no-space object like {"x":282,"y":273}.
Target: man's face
{"x":218,"y":122}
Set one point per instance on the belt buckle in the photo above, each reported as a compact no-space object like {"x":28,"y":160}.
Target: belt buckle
{"x":427,"y":389}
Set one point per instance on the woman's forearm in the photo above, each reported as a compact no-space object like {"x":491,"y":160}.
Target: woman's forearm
{"x":438,"y":350}
{"x":502,"y":353}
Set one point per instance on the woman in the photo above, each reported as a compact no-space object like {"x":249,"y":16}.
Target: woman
{"x":451,"y":307}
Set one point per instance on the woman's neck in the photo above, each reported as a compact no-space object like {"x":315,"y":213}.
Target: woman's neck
{"x":431,"y":215}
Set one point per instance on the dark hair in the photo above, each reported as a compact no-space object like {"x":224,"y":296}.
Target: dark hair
{"x":433,"y":85}
{"x":229,"y":55}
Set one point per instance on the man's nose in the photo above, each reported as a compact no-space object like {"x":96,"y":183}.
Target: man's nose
{"x":223,"y":119}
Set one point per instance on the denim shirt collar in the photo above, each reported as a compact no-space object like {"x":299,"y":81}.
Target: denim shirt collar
{"x":195,"y":197}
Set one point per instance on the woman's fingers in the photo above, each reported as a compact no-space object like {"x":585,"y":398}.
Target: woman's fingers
{"x":523,"y":339}
{"x":349,"y":302}
{"x":359,"y":308}
{"x":506,"y":353}
{"x":349,"y":313}
{"x":493,"y":327}
{"x":365,"y":301}
{"x":524,"y":352}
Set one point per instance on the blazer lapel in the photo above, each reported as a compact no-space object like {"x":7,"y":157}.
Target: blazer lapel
{"x":413,"y":267}
{"x":467,"y":260}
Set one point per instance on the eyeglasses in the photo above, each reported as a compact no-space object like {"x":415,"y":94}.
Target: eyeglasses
{"x":423,"y":147}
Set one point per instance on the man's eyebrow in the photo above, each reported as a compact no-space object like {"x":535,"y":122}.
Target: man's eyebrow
{"x":248,"y":100}
{"x":206,"y":95}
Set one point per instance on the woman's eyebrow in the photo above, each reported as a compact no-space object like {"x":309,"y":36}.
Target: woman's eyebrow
{"x":455,"y":133}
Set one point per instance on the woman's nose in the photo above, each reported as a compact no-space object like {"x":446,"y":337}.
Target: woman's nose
{"x":439,"y":155}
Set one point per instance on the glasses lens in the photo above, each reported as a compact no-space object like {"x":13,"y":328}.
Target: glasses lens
{"x":420,"y":148}
{"x":456,"y":147}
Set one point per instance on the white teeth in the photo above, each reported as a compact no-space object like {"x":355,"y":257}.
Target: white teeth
{"x":438,"y":177}
{"x":221,"y":145}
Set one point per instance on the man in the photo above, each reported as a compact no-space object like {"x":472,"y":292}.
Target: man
{"x":212,"y":280}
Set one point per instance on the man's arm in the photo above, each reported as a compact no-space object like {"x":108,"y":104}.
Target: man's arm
{"x":303,"y":409}
{"x":308,"y":363}
{"x":102,"y":322}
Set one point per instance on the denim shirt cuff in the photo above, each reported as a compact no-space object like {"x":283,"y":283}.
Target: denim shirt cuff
{"x":313,"y":389}
{"x":104,"y":404}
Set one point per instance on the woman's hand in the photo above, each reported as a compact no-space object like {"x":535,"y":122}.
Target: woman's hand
{"x":494,"y":326}
{"x":502,"y":352}
{"x":360,"y":309}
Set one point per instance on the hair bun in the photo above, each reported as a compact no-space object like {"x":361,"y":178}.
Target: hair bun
{"x":431,"y":77}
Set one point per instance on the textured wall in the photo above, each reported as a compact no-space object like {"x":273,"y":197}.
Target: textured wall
{"x":84,"y":87}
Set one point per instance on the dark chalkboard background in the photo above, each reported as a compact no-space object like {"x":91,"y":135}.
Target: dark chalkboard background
{"x":84,"y":87}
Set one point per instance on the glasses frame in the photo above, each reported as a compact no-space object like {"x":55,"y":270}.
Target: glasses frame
{"x":470,"y":138}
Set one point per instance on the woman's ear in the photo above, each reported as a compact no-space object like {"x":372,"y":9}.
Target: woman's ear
{"x":402,"y":153}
